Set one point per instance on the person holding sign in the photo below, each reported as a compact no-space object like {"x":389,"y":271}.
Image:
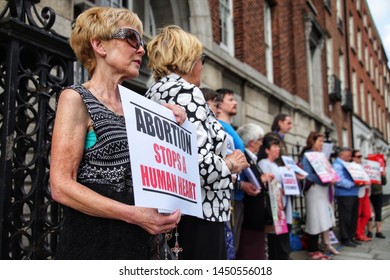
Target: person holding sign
{"x":252,"y":243}
{"x":90,"y":170}
{"x":376,"y":199}
{"x":176,"y":59}
{"x":364,"y":209}
{"x":281,"y":125}
{"x":319,"y":211}
{"x":278,"y":240}
{"x":346,"y":192}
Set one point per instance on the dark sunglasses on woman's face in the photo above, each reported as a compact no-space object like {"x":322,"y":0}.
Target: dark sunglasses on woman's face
{"x":203,"y":58}
{"x":132,"y":37}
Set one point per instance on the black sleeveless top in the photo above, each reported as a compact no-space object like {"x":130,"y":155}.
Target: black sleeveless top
{"x":104,"y":168}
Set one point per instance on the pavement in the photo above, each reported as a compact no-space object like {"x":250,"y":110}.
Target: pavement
{"x":377,"y":249}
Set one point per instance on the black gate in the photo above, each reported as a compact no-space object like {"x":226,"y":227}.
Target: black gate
{"x":35,"y":64}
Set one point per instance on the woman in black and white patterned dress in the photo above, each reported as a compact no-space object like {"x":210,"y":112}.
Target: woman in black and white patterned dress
{"x":176,"y":60}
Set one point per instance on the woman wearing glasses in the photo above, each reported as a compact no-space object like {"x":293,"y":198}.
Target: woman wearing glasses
{"x":90,"y":165}
{"x":176,"y":60}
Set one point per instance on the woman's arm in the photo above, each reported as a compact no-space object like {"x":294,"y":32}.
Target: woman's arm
{"x":70,"y":128}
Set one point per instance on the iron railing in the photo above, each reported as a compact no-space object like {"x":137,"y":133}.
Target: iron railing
{"x":35,"y":64}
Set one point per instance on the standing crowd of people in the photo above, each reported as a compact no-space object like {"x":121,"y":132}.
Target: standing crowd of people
{"x":90,"y":173}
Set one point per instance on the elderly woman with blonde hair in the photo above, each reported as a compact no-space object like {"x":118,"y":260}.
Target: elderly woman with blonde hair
{"x":90,"y":172}
{"x":176,"y":59}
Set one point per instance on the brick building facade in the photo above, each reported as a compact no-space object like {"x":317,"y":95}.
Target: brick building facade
{"x":321,"y":61}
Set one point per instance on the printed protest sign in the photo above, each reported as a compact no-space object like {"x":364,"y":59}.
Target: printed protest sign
{"x":288,"y":161}
{"x":379,"y":158}
{"x":163,"y":156}
{"x":373,"y":170}
{"x":277,"y":209}
{"x":327,"y":149}
{"x":321,"y":166}
{"x":357,"y":173}
{"x":289,"y":181}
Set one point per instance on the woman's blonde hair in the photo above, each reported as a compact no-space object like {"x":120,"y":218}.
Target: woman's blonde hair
{"x":100,"y":23}
{"x":173,"y":50}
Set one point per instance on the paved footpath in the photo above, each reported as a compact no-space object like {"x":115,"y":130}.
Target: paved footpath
{"x":377,"y":249}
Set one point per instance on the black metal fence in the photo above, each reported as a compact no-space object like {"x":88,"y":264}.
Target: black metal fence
{"x":35,"y":64}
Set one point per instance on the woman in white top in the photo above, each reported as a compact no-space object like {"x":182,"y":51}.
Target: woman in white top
{"x":319,"y":211}
{"x":278,"y":245}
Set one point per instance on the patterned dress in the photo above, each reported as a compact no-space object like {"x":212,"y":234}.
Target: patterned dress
{"x":104,"y":168}
{"x":202,"y":239}
{"x":215,"y":177}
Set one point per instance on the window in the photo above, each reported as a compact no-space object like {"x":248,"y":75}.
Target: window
{"x":366,"y":58}
{"x":376,"y":77}
{"x":388,"y":130}
{"x":226,"y":25}
{"x":339,"y":14}
{"x":381,"y":85}
{"x":354,"y":90}
{"x":362,"y":101}
{"x":358,"y":5}
{"x":369,"y":106}
{"x":359,"y":45}
{"x":149,"y":22}
{"x":365,"y":20}
{"x":268,"y":42}
{"x":351,"y":32}
{"x":328,"y":5}
{"x":344,"y":135}
{"x":329,"y":55}
{"x":109,"y":3}
{"x":342,"y":72}
{"x":375,"y":110}
{"x":371,"y":68}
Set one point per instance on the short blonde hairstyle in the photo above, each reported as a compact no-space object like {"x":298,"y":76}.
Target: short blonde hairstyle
{"x":100,"y":23}
{"x":173,"y":50}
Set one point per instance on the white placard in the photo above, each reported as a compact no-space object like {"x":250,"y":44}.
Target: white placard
{"x":289,"y":161}
{"x":373,"y":170}
{"x":357,"y":173}
{"x":163,"y":156}
{"x":327,"y":149}
{"x":289,"y":181}
{"x":277,"y":209}
{"x":322,"y":166}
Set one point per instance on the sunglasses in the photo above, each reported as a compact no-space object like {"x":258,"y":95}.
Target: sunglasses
{"x":132,"y":37}
{"x":203,"y":58}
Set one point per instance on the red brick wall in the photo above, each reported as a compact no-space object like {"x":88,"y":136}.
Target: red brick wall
{"x":249,"y":33}
{"x":361,"y":69}
{"x":289,"y":47}
{"x":214,"y":11}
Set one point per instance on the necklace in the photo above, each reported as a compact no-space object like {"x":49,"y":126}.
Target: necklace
{"x":113,"y":108}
